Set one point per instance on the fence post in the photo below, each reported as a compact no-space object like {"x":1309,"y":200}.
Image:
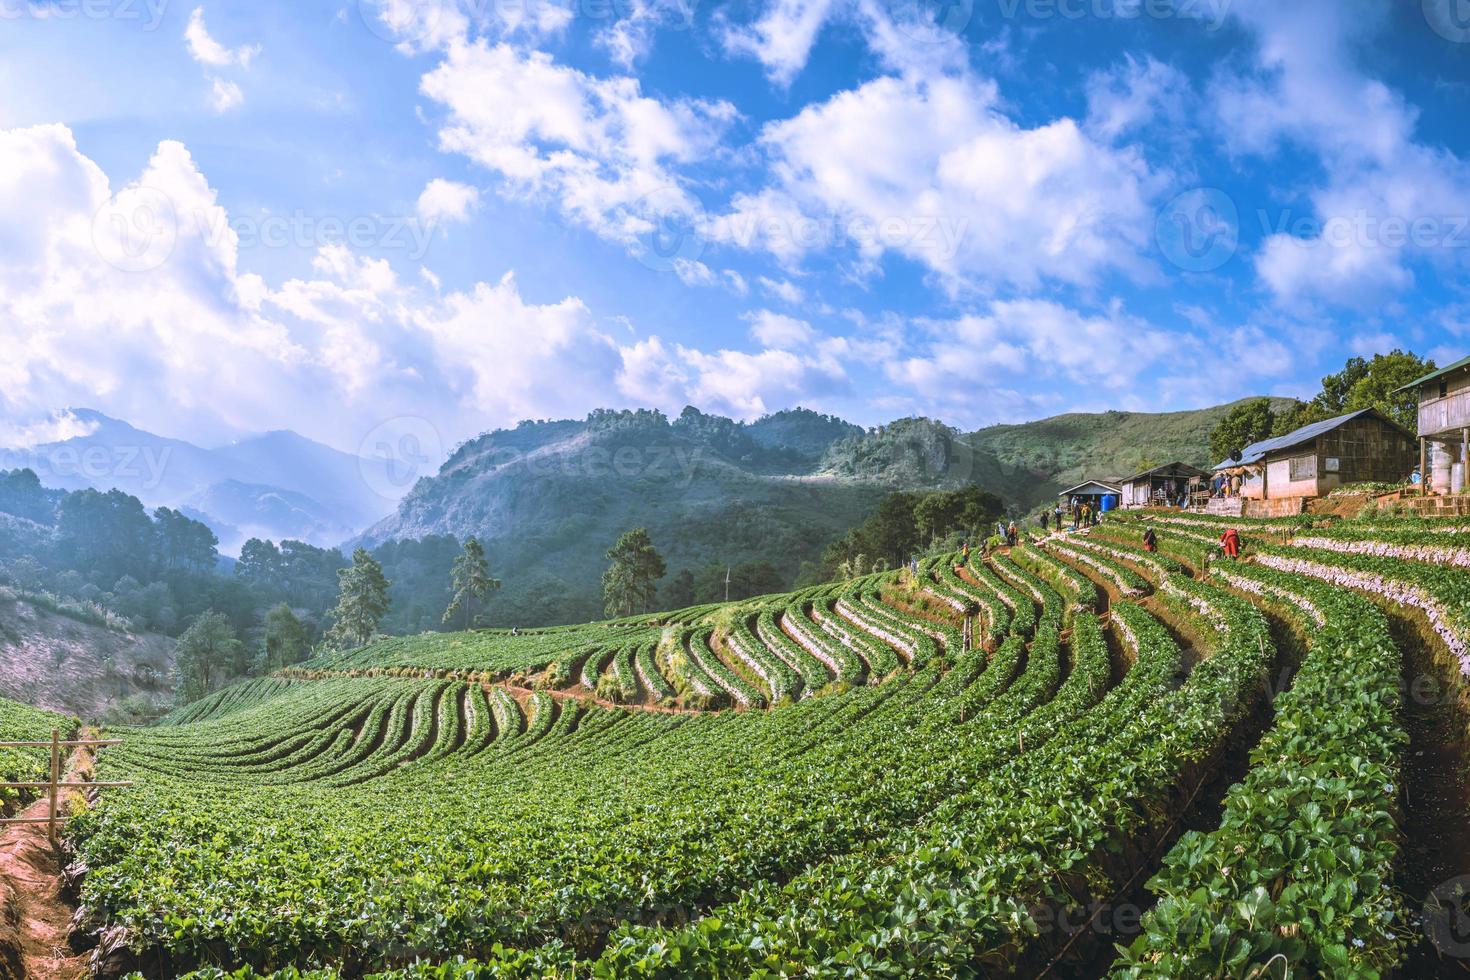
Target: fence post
{"x":55,"y":779}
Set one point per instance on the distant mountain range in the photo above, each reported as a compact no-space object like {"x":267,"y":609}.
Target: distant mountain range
{"x":277,"y":485}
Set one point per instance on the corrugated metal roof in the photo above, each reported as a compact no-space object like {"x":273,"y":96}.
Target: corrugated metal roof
{"x":1257,"y":451}
{"x":1184,"y":469}
{"x":1109,"y":487}
{"x":1463,"y":362}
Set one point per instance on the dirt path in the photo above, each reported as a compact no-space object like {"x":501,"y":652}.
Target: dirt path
{"x":37,"y":915}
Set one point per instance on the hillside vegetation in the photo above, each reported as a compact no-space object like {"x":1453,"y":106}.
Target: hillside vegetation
{"x":1043,"y":458}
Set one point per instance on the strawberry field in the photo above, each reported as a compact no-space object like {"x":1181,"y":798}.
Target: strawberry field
{"x":1071,"y":758}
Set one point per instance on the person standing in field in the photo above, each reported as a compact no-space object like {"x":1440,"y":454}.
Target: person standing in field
{"x":964,"y":553}
{"x":1230,"y":541}
{"x":1150,"y":540}
{"x":1058,"y":515}
{"x":1045,"y":519}
{"x":1013,"y":534}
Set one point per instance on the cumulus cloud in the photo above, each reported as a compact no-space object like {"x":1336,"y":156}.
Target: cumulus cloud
{"x":932,"y":170}
{"x":776,"y":330}
{"x":1387,"y":200}
{"x":446,"y":200}
{"x":133,"y":299}
{"x":597,"y":148}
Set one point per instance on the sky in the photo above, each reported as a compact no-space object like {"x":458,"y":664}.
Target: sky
{"x":354,"y":218}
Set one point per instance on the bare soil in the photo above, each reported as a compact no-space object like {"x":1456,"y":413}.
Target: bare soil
{"x":36,"y":922}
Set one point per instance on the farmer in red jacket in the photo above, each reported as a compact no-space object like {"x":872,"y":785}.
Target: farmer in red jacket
{"x":1230,"y":541}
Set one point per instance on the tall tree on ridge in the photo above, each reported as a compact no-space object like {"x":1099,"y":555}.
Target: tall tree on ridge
{"x":628,"y":585}
{"x":472,"y":581}
{"x":362,"y":602}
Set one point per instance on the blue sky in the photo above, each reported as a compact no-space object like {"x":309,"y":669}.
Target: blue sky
{"x":442,"y":216}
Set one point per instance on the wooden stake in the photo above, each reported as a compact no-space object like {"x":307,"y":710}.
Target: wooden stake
{"x":55,"y":780}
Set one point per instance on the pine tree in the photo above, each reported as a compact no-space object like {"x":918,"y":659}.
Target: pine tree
{"x":287,"y":640}
{"x":471,"y":581}
{"x":362,"y":602}
{"x":628,"y":584}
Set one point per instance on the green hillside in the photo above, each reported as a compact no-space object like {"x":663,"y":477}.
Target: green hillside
{"x":1043,"y":458}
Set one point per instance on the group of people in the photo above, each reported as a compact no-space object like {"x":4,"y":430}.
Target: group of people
{"x":1008,"y":533}
{"x":1226,"y":486}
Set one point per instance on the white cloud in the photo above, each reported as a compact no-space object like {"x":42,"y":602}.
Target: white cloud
{"x":914,"y":40}
{"x":207,"y":51}
{"x":598,"y":148}
{"x":1386,"y":199}
{"x":782,"y":39}
{"x":446,"y":200}
{"x":1030,"y":341}
{"x":132,"y":299}
{"x":932,"y":170}
{"x":776,"y":330}
{"x":741,"y":384}
{"x":57,"y":427}
{"x":1136,"y":95}
{"x":225,"y":95}
{"x":630,"y":37}
{"x":782,"y":289}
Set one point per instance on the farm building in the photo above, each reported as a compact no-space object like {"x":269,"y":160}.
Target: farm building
{"x":1285,"y":472}
{"x":1093,"y":493}
{"x":1444,"y":426}
{"x":1161,"y":486}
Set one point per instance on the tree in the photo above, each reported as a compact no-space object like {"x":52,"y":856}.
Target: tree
{"x":362,"y":601}
{"x":287,"y":639}
{"x":184,"y":542}
{"x":1385,"y":375}
{"x":471,"y":581}
{"x":1290,"y":419}
{"x":204,"y":655}
{"x":628,"y":585}
{"x":679,"y":592}
{"x":1245,"y":424}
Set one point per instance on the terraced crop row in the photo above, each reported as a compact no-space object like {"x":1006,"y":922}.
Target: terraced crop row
{"x":887,"y":800}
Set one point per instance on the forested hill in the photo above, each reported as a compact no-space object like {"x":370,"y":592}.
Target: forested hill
{"x":549,"y":499}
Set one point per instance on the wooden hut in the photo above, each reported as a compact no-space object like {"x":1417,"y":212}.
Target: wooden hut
{"x":1161,"y":486}
{"x":1361,"y":447}
{"x":1444,"y":427}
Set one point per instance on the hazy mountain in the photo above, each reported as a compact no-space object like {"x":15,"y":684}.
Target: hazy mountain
{"x":549,"y":498}
{"x":277,"y":485}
